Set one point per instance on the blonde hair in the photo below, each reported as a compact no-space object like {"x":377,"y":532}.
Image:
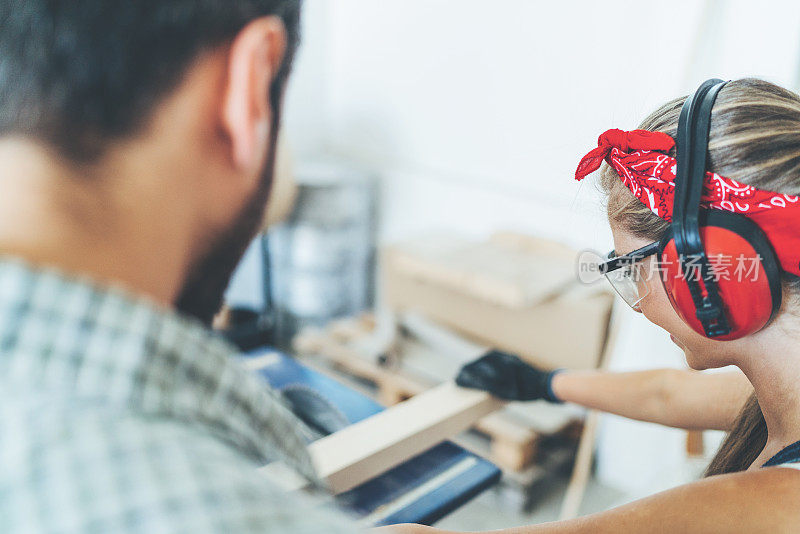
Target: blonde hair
{"x":754,"y":139}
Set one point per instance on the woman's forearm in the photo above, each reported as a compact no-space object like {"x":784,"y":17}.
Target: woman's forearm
{"x":683,"y":399}
{"x":758,"y":501}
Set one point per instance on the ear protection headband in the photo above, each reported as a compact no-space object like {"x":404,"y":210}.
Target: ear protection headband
{"x":719,"y":304}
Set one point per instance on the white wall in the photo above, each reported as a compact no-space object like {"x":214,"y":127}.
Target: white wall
{"x":474,"y":115}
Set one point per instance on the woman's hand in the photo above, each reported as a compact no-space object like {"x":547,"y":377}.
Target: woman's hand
{"x":507,"y":377}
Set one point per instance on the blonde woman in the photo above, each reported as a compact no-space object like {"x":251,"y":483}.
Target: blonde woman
{"x":751,"y":167}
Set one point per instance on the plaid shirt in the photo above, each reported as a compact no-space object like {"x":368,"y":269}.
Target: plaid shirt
{"x":117,"y":416}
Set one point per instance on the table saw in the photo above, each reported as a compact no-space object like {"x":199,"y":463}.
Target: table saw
{"x":421,"y":490}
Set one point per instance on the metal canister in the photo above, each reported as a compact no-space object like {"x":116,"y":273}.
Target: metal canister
{"x":323,"y":257}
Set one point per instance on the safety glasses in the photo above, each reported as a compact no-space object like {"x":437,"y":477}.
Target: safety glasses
{"x":625,"y":273}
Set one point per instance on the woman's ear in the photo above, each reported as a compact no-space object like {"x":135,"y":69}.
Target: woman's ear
{"x":254,"y":60}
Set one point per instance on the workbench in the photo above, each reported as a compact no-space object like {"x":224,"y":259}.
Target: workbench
{"x":422,"y":490}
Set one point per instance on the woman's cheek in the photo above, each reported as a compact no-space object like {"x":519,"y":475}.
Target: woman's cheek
{"x":658,"y":309}
{"x":701,"y":353}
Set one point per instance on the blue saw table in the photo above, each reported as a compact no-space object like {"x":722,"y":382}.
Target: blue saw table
{"x":421,"y":490}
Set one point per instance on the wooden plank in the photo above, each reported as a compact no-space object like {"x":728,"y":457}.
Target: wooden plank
{"x":695,"y":448}
{"x":375,"y":445}
{"x":366,"y":449}
{"x":513,"y":438}
{"x":582,"y":470}
{"x":530,"y":332}
{"x":490,"y":271}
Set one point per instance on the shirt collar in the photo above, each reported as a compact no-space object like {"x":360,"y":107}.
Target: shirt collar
{"x":68,"y":338}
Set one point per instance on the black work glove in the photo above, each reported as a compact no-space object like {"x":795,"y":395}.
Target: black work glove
{"x":507,"y":377}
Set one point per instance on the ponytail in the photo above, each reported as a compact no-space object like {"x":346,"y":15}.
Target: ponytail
{"x":743,"y":443}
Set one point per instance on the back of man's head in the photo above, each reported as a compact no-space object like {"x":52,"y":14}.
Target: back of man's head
{"x":137,"y":137}
{"x":79,"y":73}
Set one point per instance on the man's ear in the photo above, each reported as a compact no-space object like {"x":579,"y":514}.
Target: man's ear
{"x":255,"y":58}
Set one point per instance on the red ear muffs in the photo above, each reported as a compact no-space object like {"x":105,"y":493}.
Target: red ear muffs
{"x":747,"y":273}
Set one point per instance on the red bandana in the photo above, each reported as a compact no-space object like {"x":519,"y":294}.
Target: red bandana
{"x":640,"y":158}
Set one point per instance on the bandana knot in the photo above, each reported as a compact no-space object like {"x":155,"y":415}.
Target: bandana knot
{"x":624,"y":142}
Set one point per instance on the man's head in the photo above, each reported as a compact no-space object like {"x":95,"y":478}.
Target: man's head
{"x":169,"y":109}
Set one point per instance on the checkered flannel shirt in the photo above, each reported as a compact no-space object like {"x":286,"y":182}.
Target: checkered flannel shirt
{"x":117,"y":416}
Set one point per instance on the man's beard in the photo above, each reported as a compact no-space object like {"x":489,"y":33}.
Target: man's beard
{"x":202,"y":293}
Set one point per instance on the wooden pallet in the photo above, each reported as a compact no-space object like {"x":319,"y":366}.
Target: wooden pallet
{"x":512,"y":446}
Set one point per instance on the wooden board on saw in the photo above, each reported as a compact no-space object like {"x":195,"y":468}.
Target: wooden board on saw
{"x":428,"y":353}
{"x":513,"y":446}
{"x":364,"y":450}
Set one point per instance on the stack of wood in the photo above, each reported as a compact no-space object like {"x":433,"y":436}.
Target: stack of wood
{"x":512,"y":292}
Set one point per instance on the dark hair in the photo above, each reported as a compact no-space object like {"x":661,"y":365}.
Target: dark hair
{"x":744,"y":442}
{"x":754,"y":139}
{"x":77,"y":74}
